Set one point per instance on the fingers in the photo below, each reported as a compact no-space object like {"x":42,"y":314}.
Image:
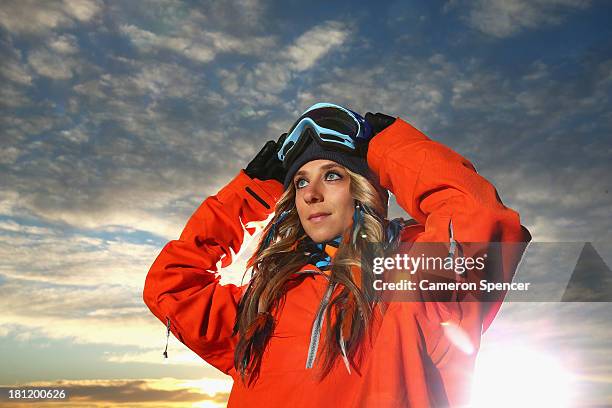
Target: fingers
{"x":379,"y":121}
{"x":281,"y":140}
{"x":270,"y":145}
{"x":386,"y":120}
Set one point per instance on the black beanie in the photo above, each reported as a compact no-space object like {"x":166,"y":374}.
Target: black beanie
{"x":357,"y":164}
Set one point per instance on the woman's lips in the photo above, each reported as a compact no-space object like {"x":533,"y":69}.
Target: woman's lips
{"x":318,"y":217}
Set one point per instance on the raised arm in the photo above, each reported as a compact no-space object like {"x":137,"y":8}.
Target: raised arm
{"x":182,"y":287}
{"x":443,"y":192}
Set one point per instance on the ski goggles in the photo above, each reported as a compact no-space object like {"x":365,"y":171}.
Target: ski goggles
{"x":328,"y":124}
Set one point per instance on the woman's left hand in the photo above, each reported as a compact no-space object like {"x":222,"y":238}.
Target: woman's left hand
{"x":266,"y":166}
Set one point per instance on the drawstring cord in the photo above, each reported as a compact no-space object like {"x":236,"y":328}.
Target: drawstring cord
{"x":453,"y":245}
{"x":315,"y":334}
{"x":167,"y":337}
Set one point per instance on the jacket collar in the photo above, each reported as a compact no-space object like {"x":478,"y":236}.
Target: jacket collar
{"x":320,"y":255}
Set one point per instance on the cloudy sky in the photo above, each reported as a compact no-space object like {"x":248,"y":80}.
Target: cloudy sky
{"x":119,"y":118}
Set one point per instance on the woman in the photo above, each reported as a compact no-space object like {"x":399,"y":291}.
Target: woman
{"x":309,"y":329}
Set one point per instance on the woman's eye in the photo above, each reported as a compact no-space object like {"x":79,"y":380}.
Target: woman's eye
{"x":300,"y":183}
{"x":329,"y":176}
{"x":332,"y":175}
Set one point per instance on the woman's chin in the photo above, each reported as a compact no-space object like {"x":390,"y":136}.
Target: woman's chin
{"x":319,"y":236}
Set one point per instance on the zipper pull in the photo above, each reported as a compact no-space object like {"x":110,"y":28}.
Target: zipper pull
{"x":454,"y":247}
{"x":167,"y":337}
{"x":452,"y":242}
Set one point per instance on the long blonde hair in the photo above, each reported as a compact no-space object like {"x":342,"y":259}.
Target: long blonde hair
{"x":279,"y":254}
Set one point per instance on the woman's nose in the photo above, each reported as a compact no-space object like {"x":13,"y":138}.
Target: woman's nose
{"x":313,"y":193}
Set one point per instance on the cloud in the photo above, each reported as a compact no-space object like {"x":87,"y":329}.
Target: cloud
{"x":244,"y":19}
{"x":64,"y":44}
{"x":83,"y":284}
{"x":15,"y":75}
{"x":82,"y":10}
{"x":8,"y":155}
{"x":17,"y":128}
{"x":76,"y":135}
{"x":194,"y":43}
{"x":12,"y":68}
{"x":167,"y":121}
{"x":262,"y":84}
{"x":240,"y":16}
{"x":503,"y":18}
{"x":50,"y":65}
{"x":33,"y":17}
{"x":314,"y":44}
{"x":414,"y":88}
{"x":176,"y":134}
{"x":147,"y":41}
{"x":90,"y":261}
{"x":170,"y":136}
{"x":104,"y":314}
{"x":59,"y":59}
{"x":182,"y":356}
{"x":158,"y":81}
{"x":116,"y":331}
{"x":12,"y":97}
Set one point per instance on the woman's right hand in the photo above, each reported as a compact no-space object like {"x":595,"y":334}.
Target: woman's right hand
{"x":265,"y":165}
{"x":378,"y":121}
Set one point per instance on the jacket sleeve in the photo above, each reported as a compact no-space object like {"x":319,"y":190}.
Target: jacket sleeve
{"x":183,"y":287}
{"x":442,"y":191}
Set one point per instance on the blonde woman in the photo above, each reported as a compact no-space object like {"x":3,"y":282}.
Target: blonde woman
{"x":310,"y":329}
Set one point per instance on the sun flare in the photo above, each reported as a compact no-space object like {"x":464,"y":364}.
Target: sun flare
{"x":519,"y":376}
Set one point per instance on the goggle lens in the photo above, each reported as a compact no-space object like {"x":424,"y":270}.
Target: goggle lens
{"x":335,"y":126}
{"x":333,"y":118}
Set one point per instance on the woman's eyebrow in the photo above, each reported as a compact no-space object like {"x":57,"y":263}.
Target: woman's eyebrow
{"x":324,"y":167}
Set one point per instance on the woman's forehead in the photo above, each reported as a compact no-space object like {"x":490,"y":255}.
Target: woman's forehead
{"x":318,"y":165}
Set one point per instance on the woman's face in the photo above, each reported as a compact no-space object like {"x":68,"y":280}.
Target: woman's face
{"x":323,"y":199}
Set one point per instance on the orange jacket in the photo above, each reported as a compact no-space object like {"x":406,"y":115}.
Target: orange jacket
{"x":411,"y":362}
